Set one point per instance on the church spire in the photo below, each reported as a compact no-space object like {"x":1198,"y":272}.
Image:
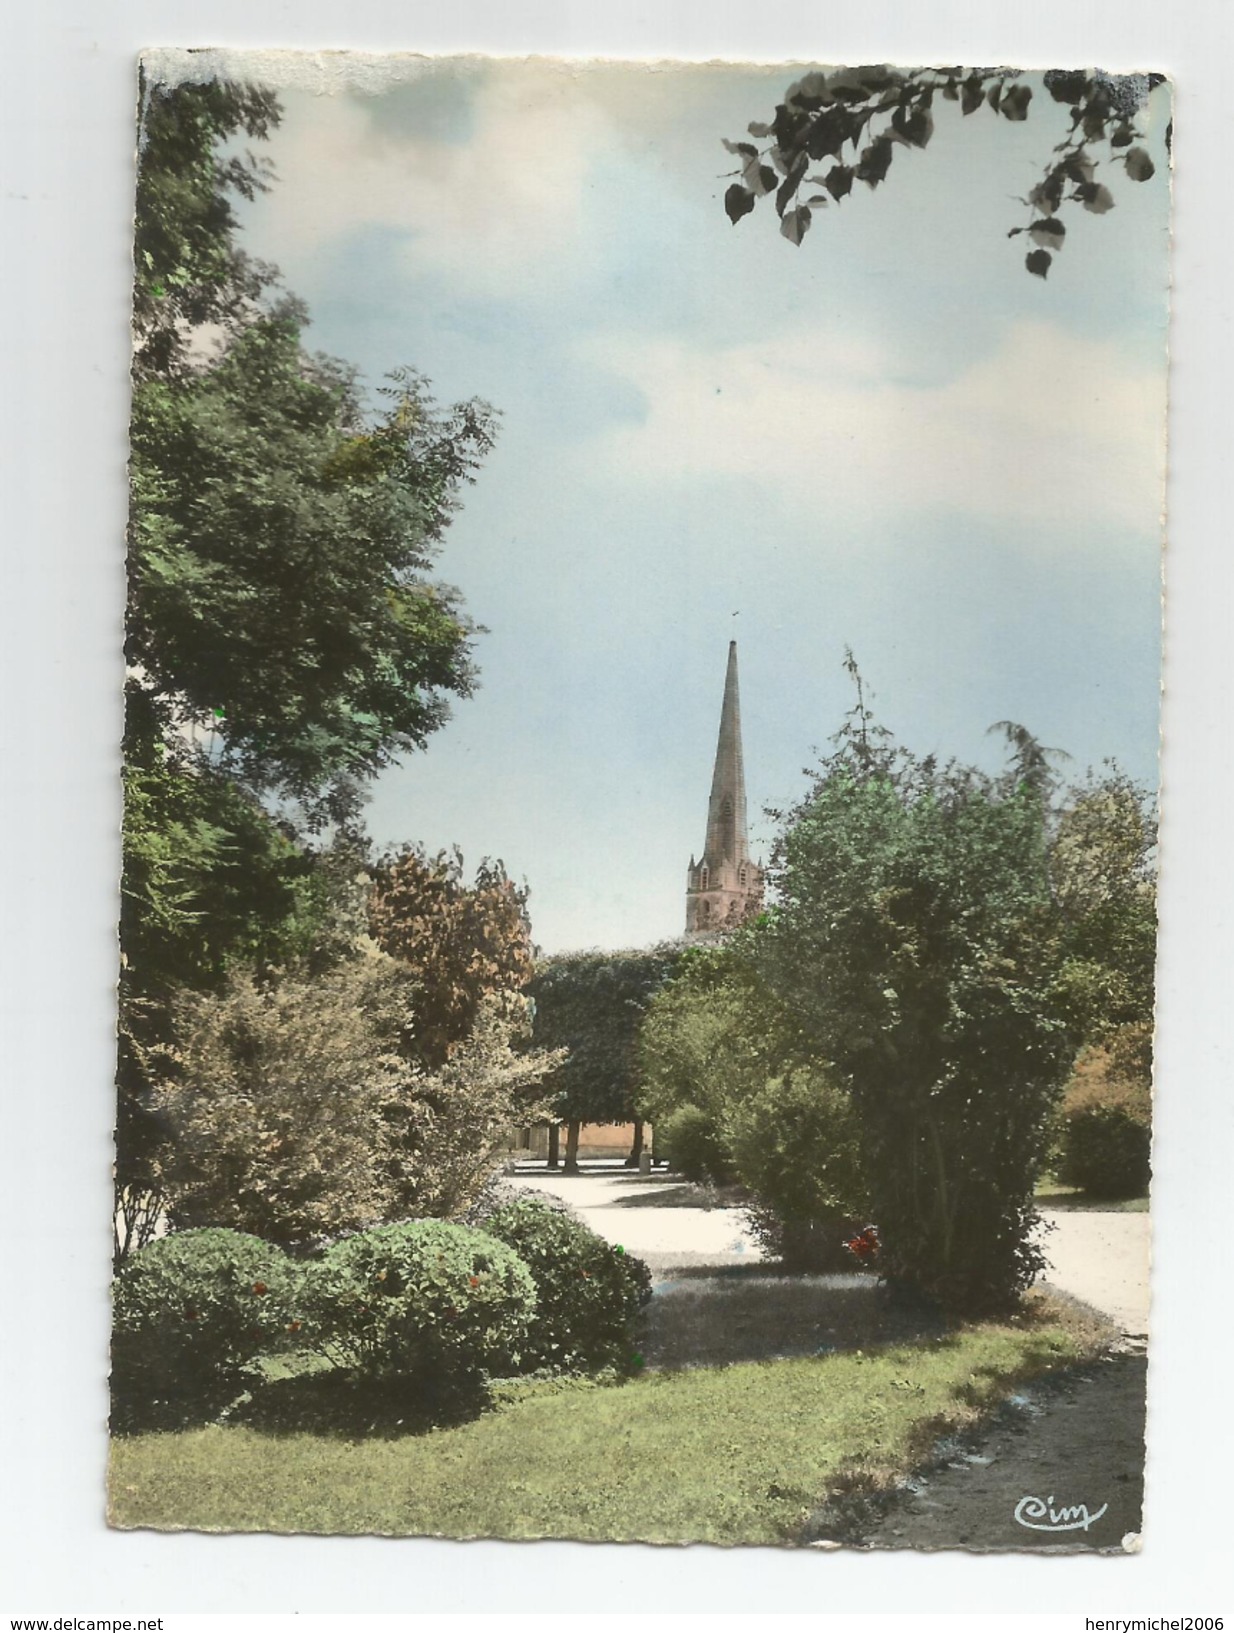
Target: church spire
{"x":725,"y":886}
{"x":727,"y":839}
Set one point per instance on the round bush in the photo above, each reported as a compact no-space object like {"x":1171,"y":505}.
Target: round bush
{"x":694,"y":1146}
{"x":796,"y":1147}
{"x":426,"y":1297}
{"x":191,"y":1312}
{"x":588,"y":1292}
{"x":1106,"y":1139}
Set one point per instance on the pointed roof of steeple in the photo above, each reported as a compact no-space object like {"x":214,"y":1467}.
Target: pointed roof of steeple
{"x":727,"y":838}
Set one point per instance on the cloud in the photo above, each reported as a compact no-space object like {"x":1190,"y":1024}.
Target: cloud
{"x":1050,"y":426}
{"x":507,"y":197}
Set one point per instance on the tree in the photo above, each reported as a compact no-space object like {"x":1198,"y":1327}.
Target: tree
{"x":592,"y":1004}
{"x":463,"y":943}
{"x":298,"y":1111}
{"x":285,"y":638}
{"x":189,"y":271}
{"x":738,"y":1096}
{"x":853,"y":121}
{"x":917,"y":942}
{"x":1102,"y":869}
{"x":210,"y":883}
{"x":279,"y":545}
{"x":280,"y":533}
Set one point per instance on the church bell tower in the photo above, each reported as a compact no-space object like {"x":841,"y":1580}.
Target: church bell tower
{"x":724,"y":886}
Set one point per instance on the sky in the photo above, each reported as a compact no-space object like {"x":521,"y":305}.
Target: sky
{"x":891,"y":439}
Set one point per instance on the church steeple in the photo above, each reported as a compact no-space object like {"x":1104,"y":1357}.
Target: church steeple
{"x":727,"y":839}
{"x":724,"y":886}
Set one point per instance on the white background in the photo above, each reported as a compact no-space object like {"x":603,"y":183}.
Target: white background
{"x":65,"y":199}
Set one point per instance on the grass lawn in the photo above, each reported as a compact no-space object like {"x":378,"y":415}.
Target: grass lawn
{"x":738,"y":1454}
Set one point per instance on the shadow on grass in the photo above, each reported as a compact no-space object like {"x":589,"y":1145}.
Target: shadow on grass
{"x":344,"y":1405}
{"x":757,"y":1313}
{"x":679,"y":1194}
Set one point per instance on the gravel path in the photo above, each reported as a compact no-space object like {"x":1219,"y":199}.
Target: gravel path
{"x":1102,"y":1259}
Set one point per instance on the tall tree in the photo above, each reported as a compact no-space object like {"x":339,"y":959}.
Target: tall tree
{"x":592,"y":1005}
{"x":285,"y":636}
{"x":917,"y":941}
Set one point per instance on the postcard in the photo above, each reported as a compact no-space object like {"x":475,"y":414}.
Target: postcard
{"x":638,"y":923}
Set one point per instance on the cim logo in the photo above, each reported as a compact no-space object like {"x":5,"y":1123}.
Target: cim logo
{"x":1037,"y":1515}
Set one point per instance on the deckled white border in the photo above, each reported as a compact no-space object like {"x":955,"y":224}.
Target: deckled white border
{"x":68,"y":144}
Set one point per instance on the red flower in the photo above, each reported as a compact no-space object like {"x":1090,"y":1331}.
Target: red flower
{"x":259,"y":1287}
{"x":474,"y":1280}
{"x":191,"y":1315}
{"x":293,"y":1326}
{"x":865,"y":1244}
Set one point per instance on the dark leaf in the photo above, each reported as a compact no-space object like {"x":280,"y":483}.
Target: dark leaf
{"x":875,"y":161}
{"x":738,"y":201}
{"x":1048,"y":193}
{"x":789,"y":186}
{"x":796,"y":224}
{"x":915,"y":128}
{"x":1080,"y":168}
{"x":839,"y":181}
{"x":1038,"y":262}
{"x":1015,"y":103}
{"x":995,"y":95}
{"x":746,"y":149}
{"x":1066,"y":87}
{"x":1122,"y":137}
{"x":1048,"y":233}
{"x":1139,"y":166}
{"x":973,"y":94}
{"x":1093,"y":123}
{"x":1095,"y":197}
{"x":951,"y":91}
{"x":829,"y":132}
{"x":766,"y":179}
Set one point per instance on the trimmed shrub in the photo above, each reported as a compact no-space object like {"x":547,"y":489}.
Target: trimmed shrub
{"x":191,"y":1312}
{"x":1107,"y":1126}
{"x":588,"y":1292}
{"x":427,"y":1298}
{"x":694,"y":1146}
{"x":796,"y":1147}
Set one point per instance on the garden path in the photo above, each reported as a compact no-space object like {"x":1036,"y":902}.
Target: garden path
{"x":1099,"y":1258}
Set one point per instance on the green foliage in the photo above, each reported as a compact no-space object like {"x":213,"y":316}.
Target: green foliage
{"x":417,"y":1299}
{"x":283,"y":1100}
{"x":295,"y":1112}
{"x":285,"y":636}
{"x":1107,"y":1118}
{"x":1102,"y":872}
{"x":796,"y":1145}
{"x":587,"y":1293}
{"x":851,"y":123}
{"x":188,"y":270}
{"x":691,"y":1141}
{"x":592,"y":1005}
{"x":917,"y":943}
{"x":456,"y":1120}
{"x":278,"y":589}
{"x":463,"y":942}
{"x":736,"y":1096}
{"x":191,"y":1311}
{"x":708,"y":1039}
